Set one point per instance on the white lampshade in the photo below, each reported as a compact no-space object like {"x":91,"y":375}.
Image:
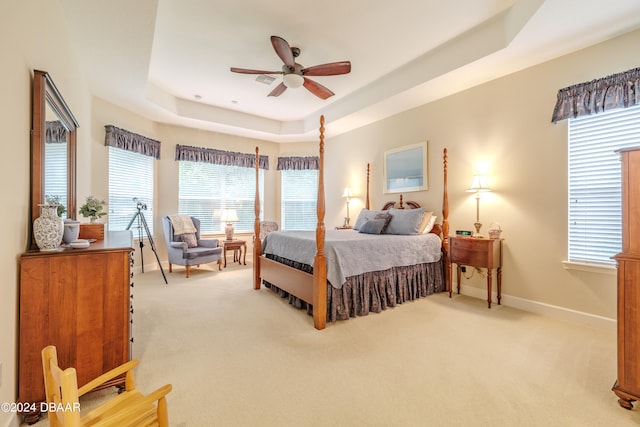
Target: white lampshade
{"x":229,"y":215}
{"x":479,"y":183}
{"x":293,"y":80}
{"x":347,"y":193}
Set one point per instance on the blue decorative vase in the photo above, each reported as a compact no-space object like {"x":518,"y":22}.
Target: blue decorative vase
{"x":48,"y":228}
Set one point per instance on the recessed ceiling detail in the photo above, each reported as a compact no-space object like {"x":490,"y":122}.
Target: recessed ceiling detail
{"x":404,"y":54}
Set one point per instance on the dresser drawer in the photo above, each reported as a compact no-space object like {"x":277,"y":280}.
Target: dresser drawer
{"x":474,"y":252}
{"x":471,"y":257}
{"x":470,"y":244}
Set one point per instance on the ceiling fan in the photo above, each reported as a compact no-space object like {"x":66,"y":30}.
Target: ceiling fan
{"x":295,"y":75}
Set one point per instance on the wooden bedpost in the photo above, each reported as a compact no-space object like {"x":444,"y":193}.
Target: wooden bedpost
{"x":257,"y":243}
{"x":445,"y":225}
{"x":320,"y":260}
{"x":368,"y":174}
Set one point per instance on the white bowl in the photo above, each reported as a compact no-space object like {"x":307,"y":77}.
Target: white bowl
{"x":80,"y":244}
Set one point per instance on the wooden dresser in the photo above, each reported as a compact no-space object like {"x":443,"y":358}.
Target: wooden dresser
{"x":80,"y":301}
{"x":627,"y":386}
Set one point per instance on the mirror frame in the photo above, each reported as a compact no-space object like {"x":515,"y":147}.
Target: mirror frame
{"x":46,"y":93}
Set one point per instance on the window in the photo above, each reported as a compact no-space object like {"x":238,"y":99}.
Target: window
{"x":595,"y":232}
{"x":130,"y":177}
{"x":55,"y":164}
{"x":206,"y":189}
{"x":299,"y":199}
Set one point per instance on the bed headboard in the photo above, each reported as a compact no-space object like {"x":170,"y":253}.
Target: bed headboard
{"x":411,"y":204}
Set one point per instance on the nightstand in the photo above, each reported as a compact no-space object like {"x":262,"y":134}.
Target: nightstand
{"x":344,"y":227}
{"x":476,"y":252}
{"x":235,"y":245}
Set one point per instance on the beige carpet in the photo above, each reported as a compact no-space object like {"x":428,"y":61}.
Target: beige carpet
{"x":239,"y":357}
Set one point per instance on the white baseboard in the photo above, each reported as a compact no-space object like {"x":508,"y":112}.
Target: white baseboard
{"x":544,"y":309}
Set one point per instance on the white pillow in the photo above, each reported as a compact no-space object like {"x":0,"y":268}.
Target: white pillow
{"x":425,"y":220}
{"x":430,"y":224}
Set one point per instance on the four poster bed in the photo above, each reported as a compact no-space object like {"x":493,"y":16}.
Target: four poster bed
{"x":338,"y":274}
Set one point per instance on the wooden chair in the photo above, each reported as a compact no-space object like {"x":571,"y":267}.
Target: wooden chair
{"x":129,"y":408}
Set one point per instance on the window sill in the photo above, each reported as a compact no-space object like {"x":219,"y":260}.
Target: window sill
{"x":591,"y":268}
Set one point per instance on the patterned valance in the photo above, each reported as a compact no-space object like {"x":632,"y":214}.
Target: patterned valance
{"x":620,"y":90}
{"x":55,"y":132}
{"x":130,"y":141}
{"x":298,"y":163}
{"x":220,"y":157}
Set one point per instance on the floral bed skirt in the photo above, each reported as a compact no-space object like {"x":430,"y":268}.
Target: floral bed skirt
{"x":372,"y":291}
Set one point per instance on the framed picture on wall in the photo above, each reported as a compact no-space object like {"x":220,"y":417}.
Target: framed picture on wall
{"x":405,"y":169}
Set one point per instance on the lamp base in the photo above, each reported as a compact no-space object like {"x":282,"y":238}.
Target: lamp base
{"x":346,"y":222}
{"x":228,"y":230}
{"x":478,"y":226}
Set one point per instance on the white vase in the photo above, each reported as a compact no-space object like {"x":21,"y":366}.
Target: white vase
{"x":48,"y":228}
{"x":71,"y":230}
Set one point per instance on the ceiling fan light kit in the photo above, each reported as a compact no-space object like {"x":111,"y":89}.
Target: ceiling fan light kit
{"x":293,"y":80}
{"x":294,"y":74}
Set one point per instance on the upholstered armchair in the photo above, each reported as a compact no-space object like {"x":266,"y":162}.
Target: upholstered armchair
{"x":267,"y":227}
{"x":191,"y":250}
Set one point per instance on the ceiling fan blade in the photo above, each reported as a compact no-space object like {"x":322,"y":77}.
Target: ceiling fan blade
{"x":283,"y":50}
{"x":278,"y":90}
{"x":330,"y":69}
{"x":317,"y":89}
{"x":247,"y":71}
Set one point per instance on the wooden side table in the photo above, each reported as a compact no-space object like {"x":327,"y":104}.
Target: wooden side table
{"x":237,"y":246}
{"x":477,"y":252}
{"x":344,"y":227}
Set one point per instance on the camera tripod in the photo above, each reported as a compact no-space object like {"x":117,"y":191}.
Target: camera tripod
{"x":142,"y":222}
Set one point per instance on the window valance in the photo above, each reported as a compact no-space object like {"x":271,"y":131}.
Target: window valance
{"x":298,"y":163}
{"x":620,"y":90}
{"x":130,"y":141}
{"x":55,"y":132}
{"x":220,"y":157}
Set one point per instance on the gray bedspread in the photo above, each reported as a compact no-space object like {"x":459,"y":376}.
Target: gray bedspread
{"x":350,"y":253}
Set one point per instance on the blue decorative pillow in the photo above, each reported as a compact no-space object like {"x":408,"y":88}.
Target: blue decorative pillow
{"x":387,"y":218}
{"x":405,"y":221}
{"x":364,"y":215}
{"x":373,"y":226}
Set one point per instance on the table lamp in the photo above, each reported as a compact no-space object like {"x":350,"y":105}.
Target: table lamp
{"x":347,"y":195}
{"x":479,"y":184}
{"x":229,"y":216}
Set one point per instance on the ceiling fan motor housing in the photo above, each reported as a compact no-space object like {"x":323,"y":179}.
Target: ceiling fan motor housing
{"x":295,"y":70}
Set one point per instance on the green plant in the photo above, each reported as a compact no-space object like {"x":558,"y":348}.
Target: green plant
{"x":93,"y":208}
{"x":55,"y":200}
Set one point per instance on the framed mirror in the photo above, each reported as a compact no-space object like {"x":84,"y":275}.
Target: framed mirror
{"x":53,"y":148}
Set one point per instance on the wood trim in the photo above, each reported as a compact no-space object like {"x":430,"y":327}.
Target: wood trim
{"x":320,"y":260}
{"x":367,"y":204}
{"x":294,"y":281}
{"x":257,"y":243}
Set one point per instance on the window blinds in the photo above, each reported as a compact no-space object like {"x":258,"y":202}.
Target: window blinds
{"x":130,"y":176}
{"x":595,"y":233}
{"x":299,"y":199}
{"x":206,"y":188}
